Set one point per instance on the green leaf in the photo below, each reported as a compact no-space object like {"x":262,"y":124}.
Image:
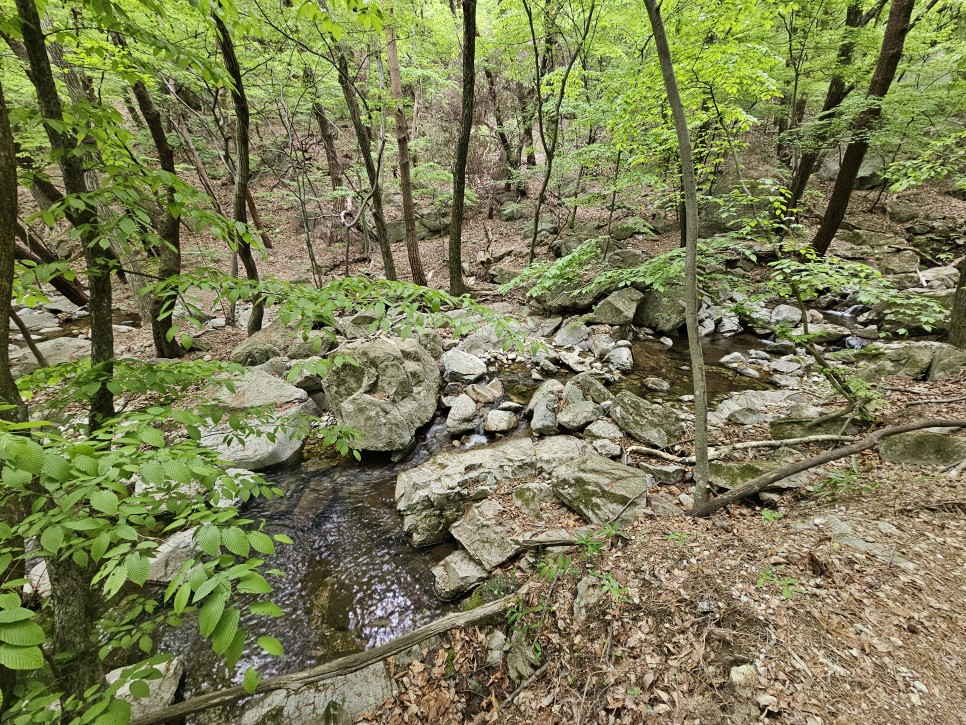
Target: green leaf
{"x":139,"y":689}
{"x":104,"y":501}
{"x":52,"y":538}
{"x":283,"y":539}
{"x":181,"y":598}
{"x":138,"y":567}
{"x":235,"y":540}
{"x":210,"y":614}
{"x":261,"y":543}
{"x":271,"y":645}
{"x":265,"y":609}
{"x":208,"y":540}
{"x":224,"y":634}
{"x":254,"y":583}
{"x":21,"y":658}
{"x":23,"y":633}
{"x":250,"y":680}
{"x":152,"y":436}
{"x":16,"y":614}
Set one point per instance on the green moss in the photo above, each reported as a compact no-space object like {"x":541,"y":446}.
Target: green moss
{"x":496,"y":587}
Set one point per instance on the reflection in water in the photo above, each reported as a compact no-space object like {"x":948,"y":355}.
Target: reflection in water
{"x":350,"y":581}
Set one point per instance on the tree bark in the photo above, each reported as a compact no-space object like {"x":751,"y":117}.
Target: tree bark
{"x":337,"y":229}
{"x":897,"y":27}
{"x":84,"y":219}
{"x":957,"y":319}
{"x":512,"y":165}
{"x":692,"y":299}
{"x":456,"y":284}
{"x":836,"y":94}
{"x":167,"y":226}
{"x":242,"y":170}
{"x":405,"y":175}
{"x":9,"y":395}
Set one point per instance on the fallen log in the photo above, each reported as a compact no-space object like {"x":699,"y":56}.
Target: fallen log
{"x":336,"y":668}
{"x":756,"y":485}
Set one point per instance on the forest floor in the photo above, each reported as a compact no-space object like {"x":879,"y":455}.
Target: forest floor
{"x":847,"y":607}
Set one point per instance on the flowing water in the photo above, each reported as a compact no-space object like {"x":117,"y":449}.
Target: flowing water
{"x":351,"y":580}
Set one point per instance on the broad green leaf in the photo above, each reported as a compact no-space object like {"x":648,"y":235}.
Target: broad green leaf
{"x":139,"y":689}
{"x":21,"y":658}
{"x":208,"y":539}
{"x":104,"y":501}
{"x":23,"y":633}
{"x":226,"y":630}
{"x":235,"y":540}
{"x":210,"y":614}
{"x":271,"y":645}
{"x":250,"y":680}
{"x":52,"y":538}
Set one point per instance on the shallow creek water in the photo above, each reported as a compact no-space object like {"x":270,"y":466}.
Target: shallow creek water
{"x":352,"y":580}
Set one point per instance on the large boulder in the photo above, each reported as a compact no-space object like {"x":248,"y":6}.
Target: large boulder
{"x":463,"y":415}
{"x":923,"y":448}
{"x":278,"y":434}
{"x":653,"y":425}
{"x":271,"y":341}
{"x":387,"y":395}
{"x":462,"y":367}
{"x":913,"y":359}
{"x":618,"y":308}
{"x":56,"y":351}
{"x":602,"y":490}
{"x":662,"y":310}
{"x":542,"y":407}
{"x":434,"y":495}
{"x":488,"y":533}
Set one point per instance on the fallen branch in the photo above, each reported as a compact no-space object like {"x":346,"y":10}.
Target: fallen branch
{"x":937,"y":400}
{"x":336,"y":668}
{"x":716,"y":452}
{"x":756,"y":485}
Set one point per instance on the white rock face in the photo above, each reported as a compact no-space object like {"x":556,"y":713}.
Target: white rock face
{"x":462,"y":367}
{"x":162,"y":690}
{"x":169,"y":557}
{"x":500,"y":421}
{"x":786,"y":315}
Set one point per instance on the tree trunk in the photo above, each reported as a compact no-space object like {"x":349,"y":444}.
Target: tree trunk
{"x":337,"y":229}
{"x":957,"y":319}
{"x":167,"y":226}
{"x":372,"y":170}
{"x":456,"y":284}
{"x":34,"y":251}
{"x":9,"y":395}
{"x":84,"y":219}
{"x":405,"y":176}
{"x":512,"y":169}
{"x":242,"y":171}
{"x":900,"y":15}
{"x":692,"y":300}
{"x":836,"y":94}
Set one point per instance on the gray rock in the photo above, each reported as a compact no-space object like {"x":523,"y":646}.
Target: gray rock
{"x":657,"y":385}
{"x":589,"y":592}
{"x":620,"y":358}
{"x":543,"y":326}
{"x":529,"y":496}
{"x":271,"y":341}
{"x":485,"y":393}
{"x":733,"y":358}
{"x":577,"y":416}
{"x":948,"y":362}
{"x":337,"y":701}
{"x":600,"y":345}
{"x":277,"y":440}
{"x":433,"y":495}
{"x":389,"y":394}
{"x":462,"y":367}
{"x":663,"y":474}
{"x":56,"y":351}
{"x":653,"y":425}
{"x":619,"y":307}
{"x":431,"y":342}
{"x":162,"y":690}
{"x":35,"y":319}
{"x":786,"y":315}
{"x":310,"y":344}
{"x":488,"y":534}
{"x":256,"y":389}
{"x":566,"y":299}
{"x":543,"y":407}
{"x":662,"y":311}
{"x":571,"y":334}
{"x":627,"y":228}
{"x":500,"y":421}
{"x":607,"y":448}
{"x":602,"y":490}
{"x":511,"y":212}
{"x":602,"y":429}
{"x":770,"y":403}
{"x":591,"y":387}
{"x":923,"y":448}
{"x":457,"y":574}
{"x":462,"y":416}
{"x":625,"y":259}
{"x":482,"y":342}
{"x":576,"y":363}
{"x":898,"y":262}
{"x":171,"y":555}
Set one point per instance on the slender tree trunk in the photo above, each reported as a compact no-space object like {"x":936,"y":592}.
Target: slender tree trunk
{"x":9,"y":395}
{"x":691,"y":300}
{"x":957,"y":319}
{"x":900,"y":15}
{"x":836,"y":94}
{"x":242,"y":171}
{"x":512,"y":169}
{"x":368,"y":160}
{"x":337,"y":229}
{"x":456,"y":284}
{"x":167,"y":225}
{"x":405,"y":176}
{"x":84,"y":219}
